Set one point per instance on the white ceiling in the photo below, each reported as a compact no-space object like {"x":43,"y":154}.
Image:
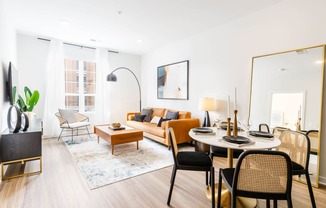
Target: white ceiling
{"x":118,"y":24}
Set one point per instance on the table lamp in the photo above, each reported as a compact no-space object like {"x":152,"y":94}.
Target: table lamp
{"x":206,"y":104}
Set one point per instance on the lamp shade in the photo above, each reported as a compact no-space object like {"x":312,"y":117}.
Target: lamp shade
{"x":206,"y":104}
{"x":111,"y":78}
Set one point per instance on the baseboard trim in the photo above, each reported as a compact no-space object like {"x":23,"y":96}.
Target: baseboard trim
{"x":322,"y":180}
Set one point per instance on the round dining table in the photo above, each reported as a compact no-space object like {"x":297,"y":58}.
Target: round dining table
{"x":216,"y":139}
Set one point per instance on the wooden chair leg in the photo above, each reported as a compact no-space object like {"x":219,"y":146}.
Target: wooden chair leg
{"x":88,"y":132}
{"x":219,"y":191}
{"x":212,"y":179}
{"x":60,"y":134}
{"x":311,"y":193}
{"x":174,"y":172}
{"x":207,"y":179}
{"x":275,"y":203}
{"x":268,"y":203}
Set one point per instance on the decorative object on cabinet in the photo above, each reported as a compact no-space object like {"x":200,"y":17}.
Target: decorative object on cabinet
{"x":24,"y":121}
{"x":172,"y":81}
{"x":31,"y":99}
{"x":14,"y":119}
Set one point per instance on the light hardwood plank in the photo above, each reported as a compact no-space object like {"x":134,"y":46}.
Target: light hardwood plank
{"x":62,"y":185}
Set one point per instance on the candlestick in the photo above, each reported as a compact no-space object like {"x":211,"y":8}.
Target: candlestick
{"x":228,"y":106}
{"x":235,"y":124}
{"x":228,"y":130}
{"x":299,"y":112}
{"x":235,"y":99}
{"x":299,"y":124}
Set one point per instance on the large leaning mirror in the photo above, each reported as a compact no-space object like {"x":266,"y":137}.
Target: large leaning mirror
{"x":286,"y":91}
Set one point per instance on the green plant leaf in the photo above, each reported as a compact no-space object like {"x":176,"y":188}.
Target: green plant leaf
{"x":33,"y":100}
{"x":21,"y":103}
{"x":30,"y":101}
{"x":28,"y":95}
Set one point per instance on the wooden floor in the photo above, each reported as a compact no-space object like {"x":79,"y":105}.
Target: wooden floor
{"x":62,"y":185}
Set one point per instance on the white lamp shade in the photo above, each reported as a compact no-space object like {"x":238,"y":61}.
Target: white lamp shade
{"x":207,"y":104}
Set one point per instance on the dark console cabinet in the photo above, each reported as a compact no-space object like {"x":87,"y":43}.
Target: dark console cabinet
{"x":21,"y":147}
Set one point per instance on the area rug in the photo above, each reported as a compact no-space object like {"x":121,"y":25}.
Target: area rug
{"x":99,"y":167}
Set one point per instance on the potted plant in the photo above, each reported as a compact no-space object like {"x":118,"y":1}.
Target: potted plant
{"x":30,"y":101}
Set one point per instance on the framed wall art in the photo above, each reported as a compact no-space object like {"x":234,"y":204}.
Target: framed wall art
{"x":172,"y":81}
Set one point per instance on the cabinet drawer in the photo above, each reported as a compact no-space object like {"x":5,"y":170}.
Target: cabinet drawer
{"x":20,"y":146}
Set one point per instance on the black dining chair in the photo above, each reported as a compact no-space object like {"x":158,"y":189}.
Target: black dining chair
{"x":258,"y":174}
{"x":297,"y":146}
{"x":313,"y":136}
{"x":192,"y":161}
{"x":264,"y":128}
{"x":277,"y":131}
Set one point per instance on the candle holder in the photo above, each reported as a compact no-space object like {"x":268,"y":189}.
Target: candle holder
{"x":235,"y":124}
{"x":228,"y":130}
{"x":299,"y":124}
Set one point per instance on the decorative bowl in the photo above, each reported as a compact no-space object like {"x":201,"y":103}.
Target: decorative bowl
{"x":116,"y":125}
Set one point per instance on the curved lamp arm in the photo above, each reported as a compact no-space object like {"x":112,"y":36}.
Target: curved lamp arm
{"x":113,"y":78}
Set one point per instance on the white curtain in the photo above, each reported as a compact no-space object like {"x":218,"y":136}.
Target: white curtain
{"x":102,"y":99}
{"x":55,"y":88}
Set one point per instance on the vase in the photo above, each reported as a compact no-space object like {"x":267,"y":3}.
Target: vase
{"x":31,"y":115}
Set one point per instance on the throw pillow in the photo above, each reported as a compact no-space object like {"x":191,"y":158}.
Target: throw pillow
{"x":172,"y":115}
{"x":69,"y":115}
{"x":139,"y":117}
{"x":155,"y":119}
{"x":162,"y":120}
{"x":148,"y":114}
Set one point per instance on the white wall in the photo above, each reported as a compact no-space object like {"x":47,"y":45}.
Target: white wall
{"x":31,"y":62}
{"x":7,"y":54}
{"x":124,"y":93}
{"x":220,"y":59}
{"x":32,"y":57}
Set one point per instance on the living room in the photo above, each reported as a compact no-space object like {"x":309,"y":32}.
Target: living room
{"x":220,"y":59}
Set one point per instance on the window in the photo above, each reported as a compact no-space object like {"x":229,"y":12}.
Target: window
{"x":80,"y":85}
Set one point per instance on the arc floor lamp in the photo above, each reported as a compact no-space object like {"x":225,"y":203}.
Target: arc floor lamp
{"x":113,"y":78}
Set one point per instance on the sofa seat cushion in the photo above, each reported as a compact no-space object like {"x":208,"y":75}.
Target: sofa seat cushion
{"x":147,"y":127}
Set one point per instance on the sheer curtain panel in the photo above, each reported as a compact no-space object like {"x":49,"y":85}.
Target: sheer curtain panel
{"x":55,"y":88}
{"x":102,"y":99}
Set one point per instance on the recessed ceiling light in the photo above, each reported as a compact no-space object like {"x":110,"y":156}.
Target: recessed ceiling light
{"x":140,"y":41}
{"x":64,"y":22}
{"x":319,"y":62}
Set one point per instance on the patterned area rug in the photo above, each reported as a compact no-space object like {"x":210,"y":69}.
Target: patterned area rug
{"x":99,"y":167}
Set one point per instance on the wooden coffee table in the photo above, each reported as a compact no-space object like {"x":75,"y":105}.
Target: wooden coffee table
{"x":114,"y":137}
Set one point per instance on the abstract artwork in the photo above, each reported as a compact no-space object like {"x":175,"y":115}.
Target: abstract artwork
{"x":172,"y":81}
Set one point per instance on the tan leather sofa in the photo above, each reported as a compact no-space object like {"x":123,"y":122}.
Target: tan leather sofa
{"x":181,"y":126}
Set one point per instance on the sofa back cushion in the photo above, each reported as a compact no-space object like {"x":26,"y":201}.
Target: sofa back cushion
{"x":184,"y":115}
{"x":148,"y":114}
{"x":172,"y":114}
{"x":159,"y":112}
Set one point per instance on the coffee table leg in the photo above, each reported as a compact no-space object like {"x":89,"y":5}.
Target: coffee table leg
{"x":98,"y":139}
{"x":112,"y":149}
{"x":137,"y":145}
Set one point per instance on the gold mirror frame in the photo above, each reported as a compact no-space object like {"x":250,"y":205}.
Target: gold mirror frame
{"x":315,"y":181}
